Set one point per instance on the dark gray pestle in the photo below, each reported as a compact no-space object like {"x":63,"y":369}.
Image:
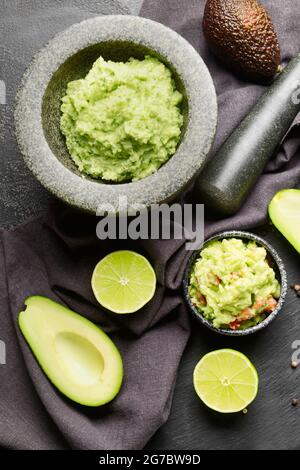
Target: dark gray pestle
{"x":229,"y":176}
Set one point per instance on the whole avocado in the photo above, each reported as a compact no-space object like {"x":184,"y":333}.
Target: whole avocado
{"x":241,"y":33}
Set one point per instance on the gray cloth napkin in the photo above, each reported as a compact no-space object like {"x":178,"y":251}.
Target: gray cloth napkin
{"x":56,"y":257}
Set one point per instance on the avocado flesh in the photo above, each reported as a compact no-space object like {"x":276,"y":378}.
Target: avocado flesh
{"x":284,"y":211}
{"x":241,"y":34}
{"x":76,"y":355}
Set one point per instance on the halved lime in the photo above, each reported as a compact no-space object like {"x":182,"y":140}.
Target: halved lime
{"x":226,"y":381}
{"x":123,"y":281}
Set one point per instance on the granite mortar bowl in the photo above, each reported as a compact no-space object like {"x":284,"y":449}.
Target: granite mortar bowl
{"x":69,"y":56}
{"x":277,"y":265}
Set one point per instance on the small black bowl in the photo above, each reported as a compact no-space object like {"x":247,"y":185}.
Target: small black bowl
{"x":278,"y":268}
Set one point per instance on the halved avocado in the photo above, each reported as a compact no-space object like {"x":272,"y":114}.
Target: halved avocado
{"x":284,"y":211}
{"x":76,"y":355}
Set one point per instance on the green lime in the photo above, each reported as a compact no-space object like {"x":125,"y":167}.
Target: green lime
{"x":123,"y":281}
{"x":226,"y":381}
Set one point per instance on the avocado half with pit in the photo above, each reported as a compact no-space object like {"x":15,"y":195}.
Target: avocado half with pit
{"x":76,"y":355}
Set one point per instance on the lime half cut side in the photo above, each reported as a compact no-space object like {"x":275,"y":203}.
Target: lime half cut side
{"x":123,"y":282}
{"x":226,"y":381}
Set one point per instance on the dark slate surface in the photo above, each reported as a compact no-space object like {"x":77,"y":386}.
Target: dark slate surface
{"x":271,"y":421}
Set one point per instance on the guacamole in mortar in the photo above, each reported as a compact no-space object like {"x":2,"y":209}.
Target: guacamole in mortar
{"x":122,"y":121}
{"x":232,"y":285}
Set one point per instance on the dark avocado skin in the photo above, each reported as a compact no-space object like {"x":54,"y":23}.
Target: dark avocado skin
{"x":241,"y":34}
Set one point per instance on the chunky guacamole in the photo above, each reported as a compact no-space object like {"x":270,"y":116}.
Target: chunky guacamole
{"x":123,"y":120}
{"x":232,"y":284}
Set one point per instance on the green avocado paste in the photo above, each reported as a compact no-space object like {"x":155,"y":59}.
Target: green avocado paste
{"x":232,"y":284}
{"x":123,"y":120}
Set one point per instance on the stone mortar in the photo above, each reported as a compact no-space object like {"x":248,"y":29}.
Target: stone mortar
{"x":69,"y":56}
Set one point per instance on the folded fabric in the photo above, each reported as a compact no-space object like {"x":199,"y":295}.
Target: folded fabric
{"x":39,"y":260}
